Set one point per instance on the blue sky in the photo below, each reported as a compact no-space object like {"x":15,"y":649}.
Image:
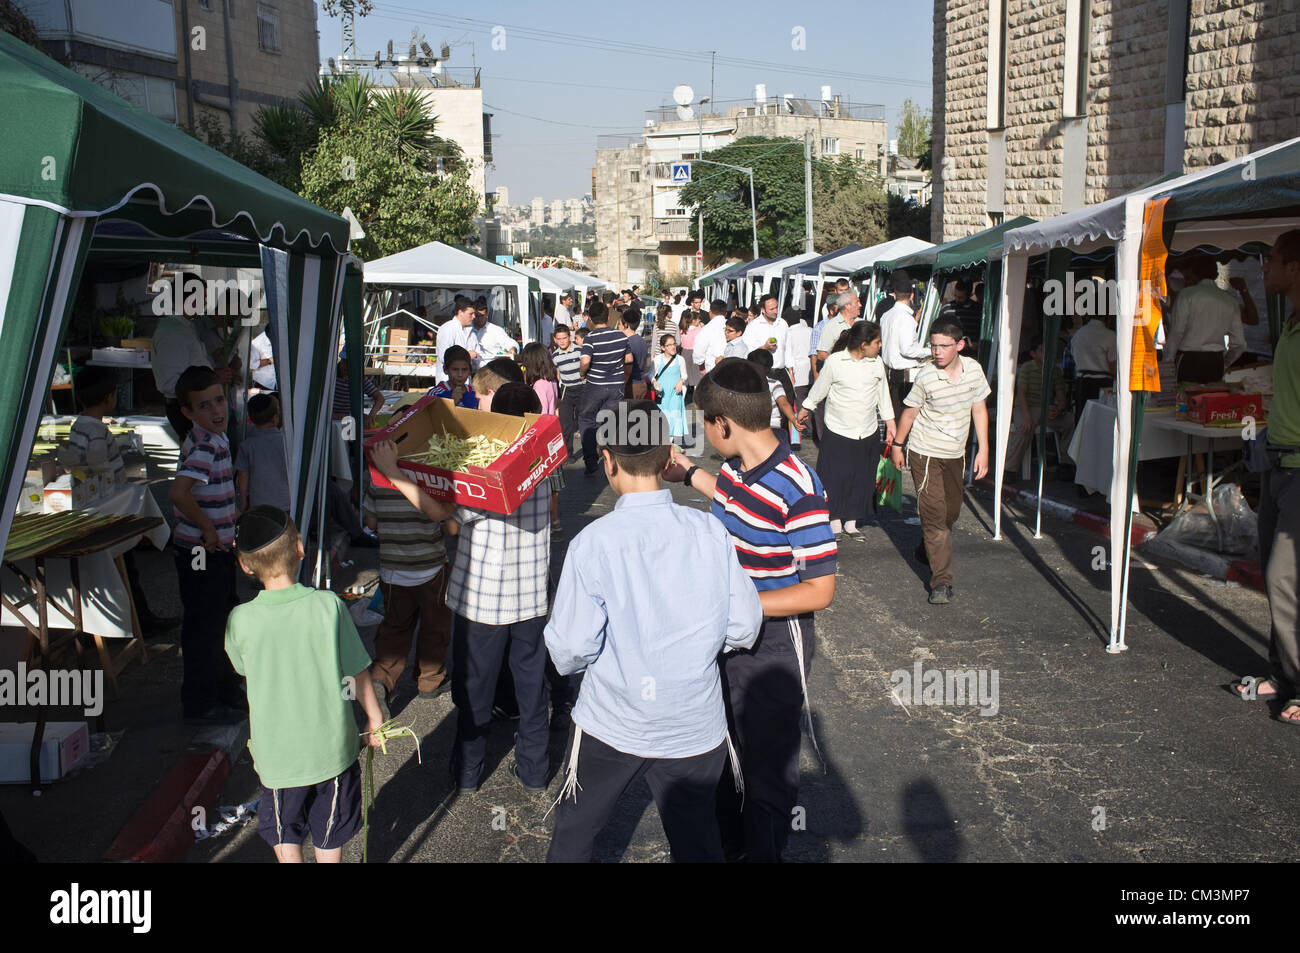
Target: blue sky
{"x":572,"y":71}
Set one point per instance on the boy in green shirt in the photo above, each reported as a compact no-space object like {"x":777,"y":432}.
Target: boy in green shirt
{"x":304,"y":662}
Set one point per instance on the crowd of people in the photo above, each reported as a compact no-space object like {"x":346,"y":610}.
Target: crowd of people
{"x":703,"y":696}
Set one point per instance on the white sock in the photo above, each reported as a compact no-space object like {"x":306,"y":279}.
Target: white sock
{"x":836,"y":528}
{"x":851,"y":526}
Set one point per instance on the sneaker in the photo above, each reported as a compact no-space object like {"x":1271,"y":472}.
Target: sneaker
{"x":443,"y":688}
{"x":531,"y":789}
{"x":940,"y":595}
{"x":920,"y":554}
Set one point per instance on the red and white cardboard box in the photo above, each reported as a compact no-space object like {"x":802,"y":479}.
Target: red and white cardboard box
{"x":1213,"y":408}
{"x":537,"y":449}
{"x":64,"y":745}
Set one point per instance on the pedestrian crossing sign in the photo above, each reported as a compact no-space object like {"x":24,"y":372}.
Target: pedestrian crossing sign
{"x":681,"y":173}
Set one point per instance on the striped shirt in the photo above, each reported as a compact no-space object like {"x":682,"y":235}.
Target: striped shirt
{"x":567,"y":363}
{"x":409,"y":542}
{"x":941,"y":428}
{"x":205,"y":459}
{"x":92,"y":445}
{"x":606,"y":348}
{"x":778,"y":518}
{"x":343,"y":394}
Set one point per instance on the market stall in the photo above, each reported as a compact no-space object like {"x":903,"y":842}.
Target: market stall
{"x":796,"y":273}
{"x":844,"y":264}
{"x":1135,"y":226}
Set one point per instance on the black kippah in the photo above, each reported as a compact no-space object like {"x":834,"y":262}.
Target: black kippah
{"x":738,"y":376}
{"x":260,"y":527}
{"x":638,"y":427}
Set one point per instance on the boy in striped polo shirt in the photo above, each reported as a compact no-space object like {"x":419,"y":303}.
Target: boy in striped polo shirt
{"x":568,"y":360}
{"x":945,"y":397}
{"x":605,"y":355}
{"x":775,"y":509}
{"x":203,"y":497}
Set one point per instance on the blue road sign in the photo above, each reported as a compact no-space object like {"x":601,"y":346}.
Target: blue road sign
{"x":681,"y":173}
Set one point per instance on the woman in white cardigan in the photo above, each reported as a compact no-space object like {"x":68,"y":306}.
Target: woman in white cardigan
{"x":855,"y":386}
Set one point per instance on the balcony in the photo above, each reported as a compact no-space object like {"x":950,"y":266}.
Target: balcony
{"x":672,"y":228}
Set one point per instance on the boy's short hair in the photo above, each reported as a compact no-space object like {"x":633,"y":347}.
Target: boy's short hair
{"x":643,"y":437}
{"x":262,"y":409}
{"x":630,"y":320}
{"x":597,"y":312}
{"x":580,"y":334}
{"x":736,"y":323}
{"x":1035,"y":343}
{"x":193,"y":379}
{"x":947,"y":328}
{"x":516,"y":398}
{"x":561,"y":329}
{"x":266,"y":542}
{"x":456,"y":353}
{"x":718,"y":306}
{"x":736,"y":389}
{"x":93,"y":385}
{"x":762,"y":357}
{"x":755,"y":309}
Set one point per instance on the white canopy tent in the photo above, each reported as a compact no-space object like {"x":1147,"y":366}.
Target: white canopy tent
{"x":770,"y":274}
{"x":846,"y":264}
{"x":1118,"y":222}
{"x":444,"y":267}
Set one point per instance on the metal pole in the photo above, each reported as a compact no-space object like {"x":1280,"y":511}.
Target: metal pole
{"x":753,"y":213}
{"x":807,"y":192}
{"x":699,"y":154}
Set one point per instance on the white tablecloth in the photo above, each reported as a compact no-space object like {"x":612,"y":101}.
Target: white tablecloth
{"x":105,"y":604}
{"x":1093,"y":445}
{"x":339,"y":468}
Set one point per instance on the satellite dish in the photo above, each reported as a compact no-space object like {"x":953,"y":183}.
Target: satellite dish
{"x":682,"y":95}
{"x":685,"y":113}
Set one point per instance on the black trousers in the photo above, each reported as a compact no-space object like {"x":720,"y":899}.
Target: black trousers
{"x":477,"y":653}
{"x":595,"y":398}
{"x":899,"y":385}
{"x":1199,"y":367}
{"x":683,"y":790}
{"x":570,"y":405}
{"x":764,"y":698}
{"x":207,"y":594}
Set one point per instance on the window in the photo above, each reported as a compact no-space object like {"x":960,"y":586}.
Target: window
{"x":636,"y":223}
{"x":830,"y":147}
{"x":268,"y":29}
{"x":1078,"y":31}
{"x":997,"y":60}
{"x":634,"y":175}
{"x":676,"y":210}
{"x":860,"y":154}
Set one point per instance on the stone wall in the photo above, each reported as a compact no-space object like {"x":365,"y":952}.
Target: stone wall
{"x":1035,"y":84}
{"x":959,"y":125}
{"x":617,"y":200}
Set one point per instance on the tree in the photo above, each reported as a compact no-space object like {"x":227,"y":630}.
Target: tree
{"x":848,"y":206}
{"x":399,"y":204}
{"x":724,"y":195}
{"x":908,"y":218}
{"x":913,"y":131}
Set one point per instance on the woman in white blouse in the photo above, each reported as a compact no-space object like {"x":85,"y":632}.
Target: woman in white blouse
{"x":855,"y":386}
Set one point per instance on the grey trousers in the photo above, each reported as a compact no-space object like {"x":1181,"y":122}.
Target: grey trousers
{"x":1279,"y":550}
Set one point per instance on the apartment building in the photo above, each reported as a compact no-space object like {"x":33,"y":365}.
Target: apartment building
{"x":1043,"y":106}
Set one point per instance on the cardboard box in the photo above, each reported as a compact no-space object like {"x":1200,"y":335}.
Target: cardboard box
{"x":398,"y":340}
{"x":72,"y":491}
{"x":1185,"y":393}
{"x":138,"y":344}
{"x":1216,"y":408}
{"x":537,"y":449}
{"x":64,"y":745}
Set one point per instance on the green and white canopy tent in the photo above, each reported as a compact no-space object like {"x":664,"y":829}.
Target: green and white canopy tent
{"x":846,"y":263}
{"x":84,"y":174}
{"x":1221,"y":206}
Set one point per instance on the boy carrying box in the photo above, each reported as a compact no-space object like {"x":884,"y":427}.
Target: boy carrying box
{"x":775,"y":509}
{"x":304,"y":663}
{"x":651,"y":700}
{"x":498,"y":594}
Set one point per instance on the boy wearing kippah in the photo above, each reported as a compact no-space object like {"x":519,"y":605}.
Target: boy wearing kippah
{"x":775,"y":509}
{"x":651,"y":700}
{"x":304,"y":663}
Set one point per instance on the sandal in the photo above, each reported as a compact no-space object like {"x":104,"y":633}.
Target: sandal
{"x":1290,"y":706}
{"x":1251,"y":683}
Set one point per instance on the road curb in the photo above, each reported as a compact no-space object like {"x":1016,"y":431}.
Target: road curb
{"x":1241,"y":571}
{"x":161,"y":830}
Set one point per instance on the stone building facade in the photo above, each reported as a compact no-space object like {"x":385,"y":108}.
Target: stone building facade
{"x":625,"y":245}
{"x":1070,"y":102}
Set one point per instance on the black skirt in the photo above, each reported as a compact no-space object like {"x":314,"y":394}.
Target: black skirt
{"x":848,"y":472}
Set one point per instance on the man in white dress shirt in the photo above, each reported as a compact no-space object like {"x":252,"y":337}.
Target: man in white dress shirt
{"x":488,"y":340}
{"x":902,"y":353}
{"x":711,"y":341}
{"x":455,"y":330}
{"x":1204,"y":316}
{"x":768,"y":331}
{"x":563,"y":312}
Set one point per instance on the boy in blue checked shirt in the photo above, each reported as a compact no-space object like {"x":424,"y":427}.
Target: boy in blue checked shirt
{"x":203,"y":498}
{"x":775,"y":509}
{"x":651,"y":700}
{"x":498,"y":594}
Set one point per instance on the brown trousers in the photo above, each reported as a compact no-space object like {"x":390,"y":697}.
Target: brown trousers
{"x":939,"y":489}
{"x":402,"y":605}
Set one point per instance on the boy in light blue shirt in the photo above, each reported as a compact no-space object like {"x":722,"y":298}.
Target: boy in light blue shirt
{"x":651,"y":703}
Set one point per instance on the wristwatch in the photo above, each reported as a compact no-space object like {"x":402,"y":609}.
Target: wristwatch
{"x":689,"y":473}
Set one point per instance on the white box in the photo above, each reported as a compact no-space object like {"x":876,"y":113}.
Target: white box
{"x":64,"y":745}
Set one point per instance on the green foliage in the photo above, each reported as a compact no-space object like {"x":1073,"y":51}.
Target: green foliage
{"x":908,"y":218}
{"x":849,"y":206}
{"x":724,"y":195}
{"x":400,"y":206}
{"x":913,"y":131}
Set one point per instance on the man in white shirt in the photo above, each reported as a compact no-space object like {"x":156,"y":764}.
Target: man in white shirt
{"x":263,"y":365}
{"x":455,"y":330}
{"x":902,"y":352}
{"x":711,"y":340}
{"x":849,"y":307}
{"x":1095,"y":355}
{"x":798,"y":341}
{"x":1203,"y":317}
{"x":563,"y":313}
{"x":768,"y":331}
{"x":488,"y":340}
